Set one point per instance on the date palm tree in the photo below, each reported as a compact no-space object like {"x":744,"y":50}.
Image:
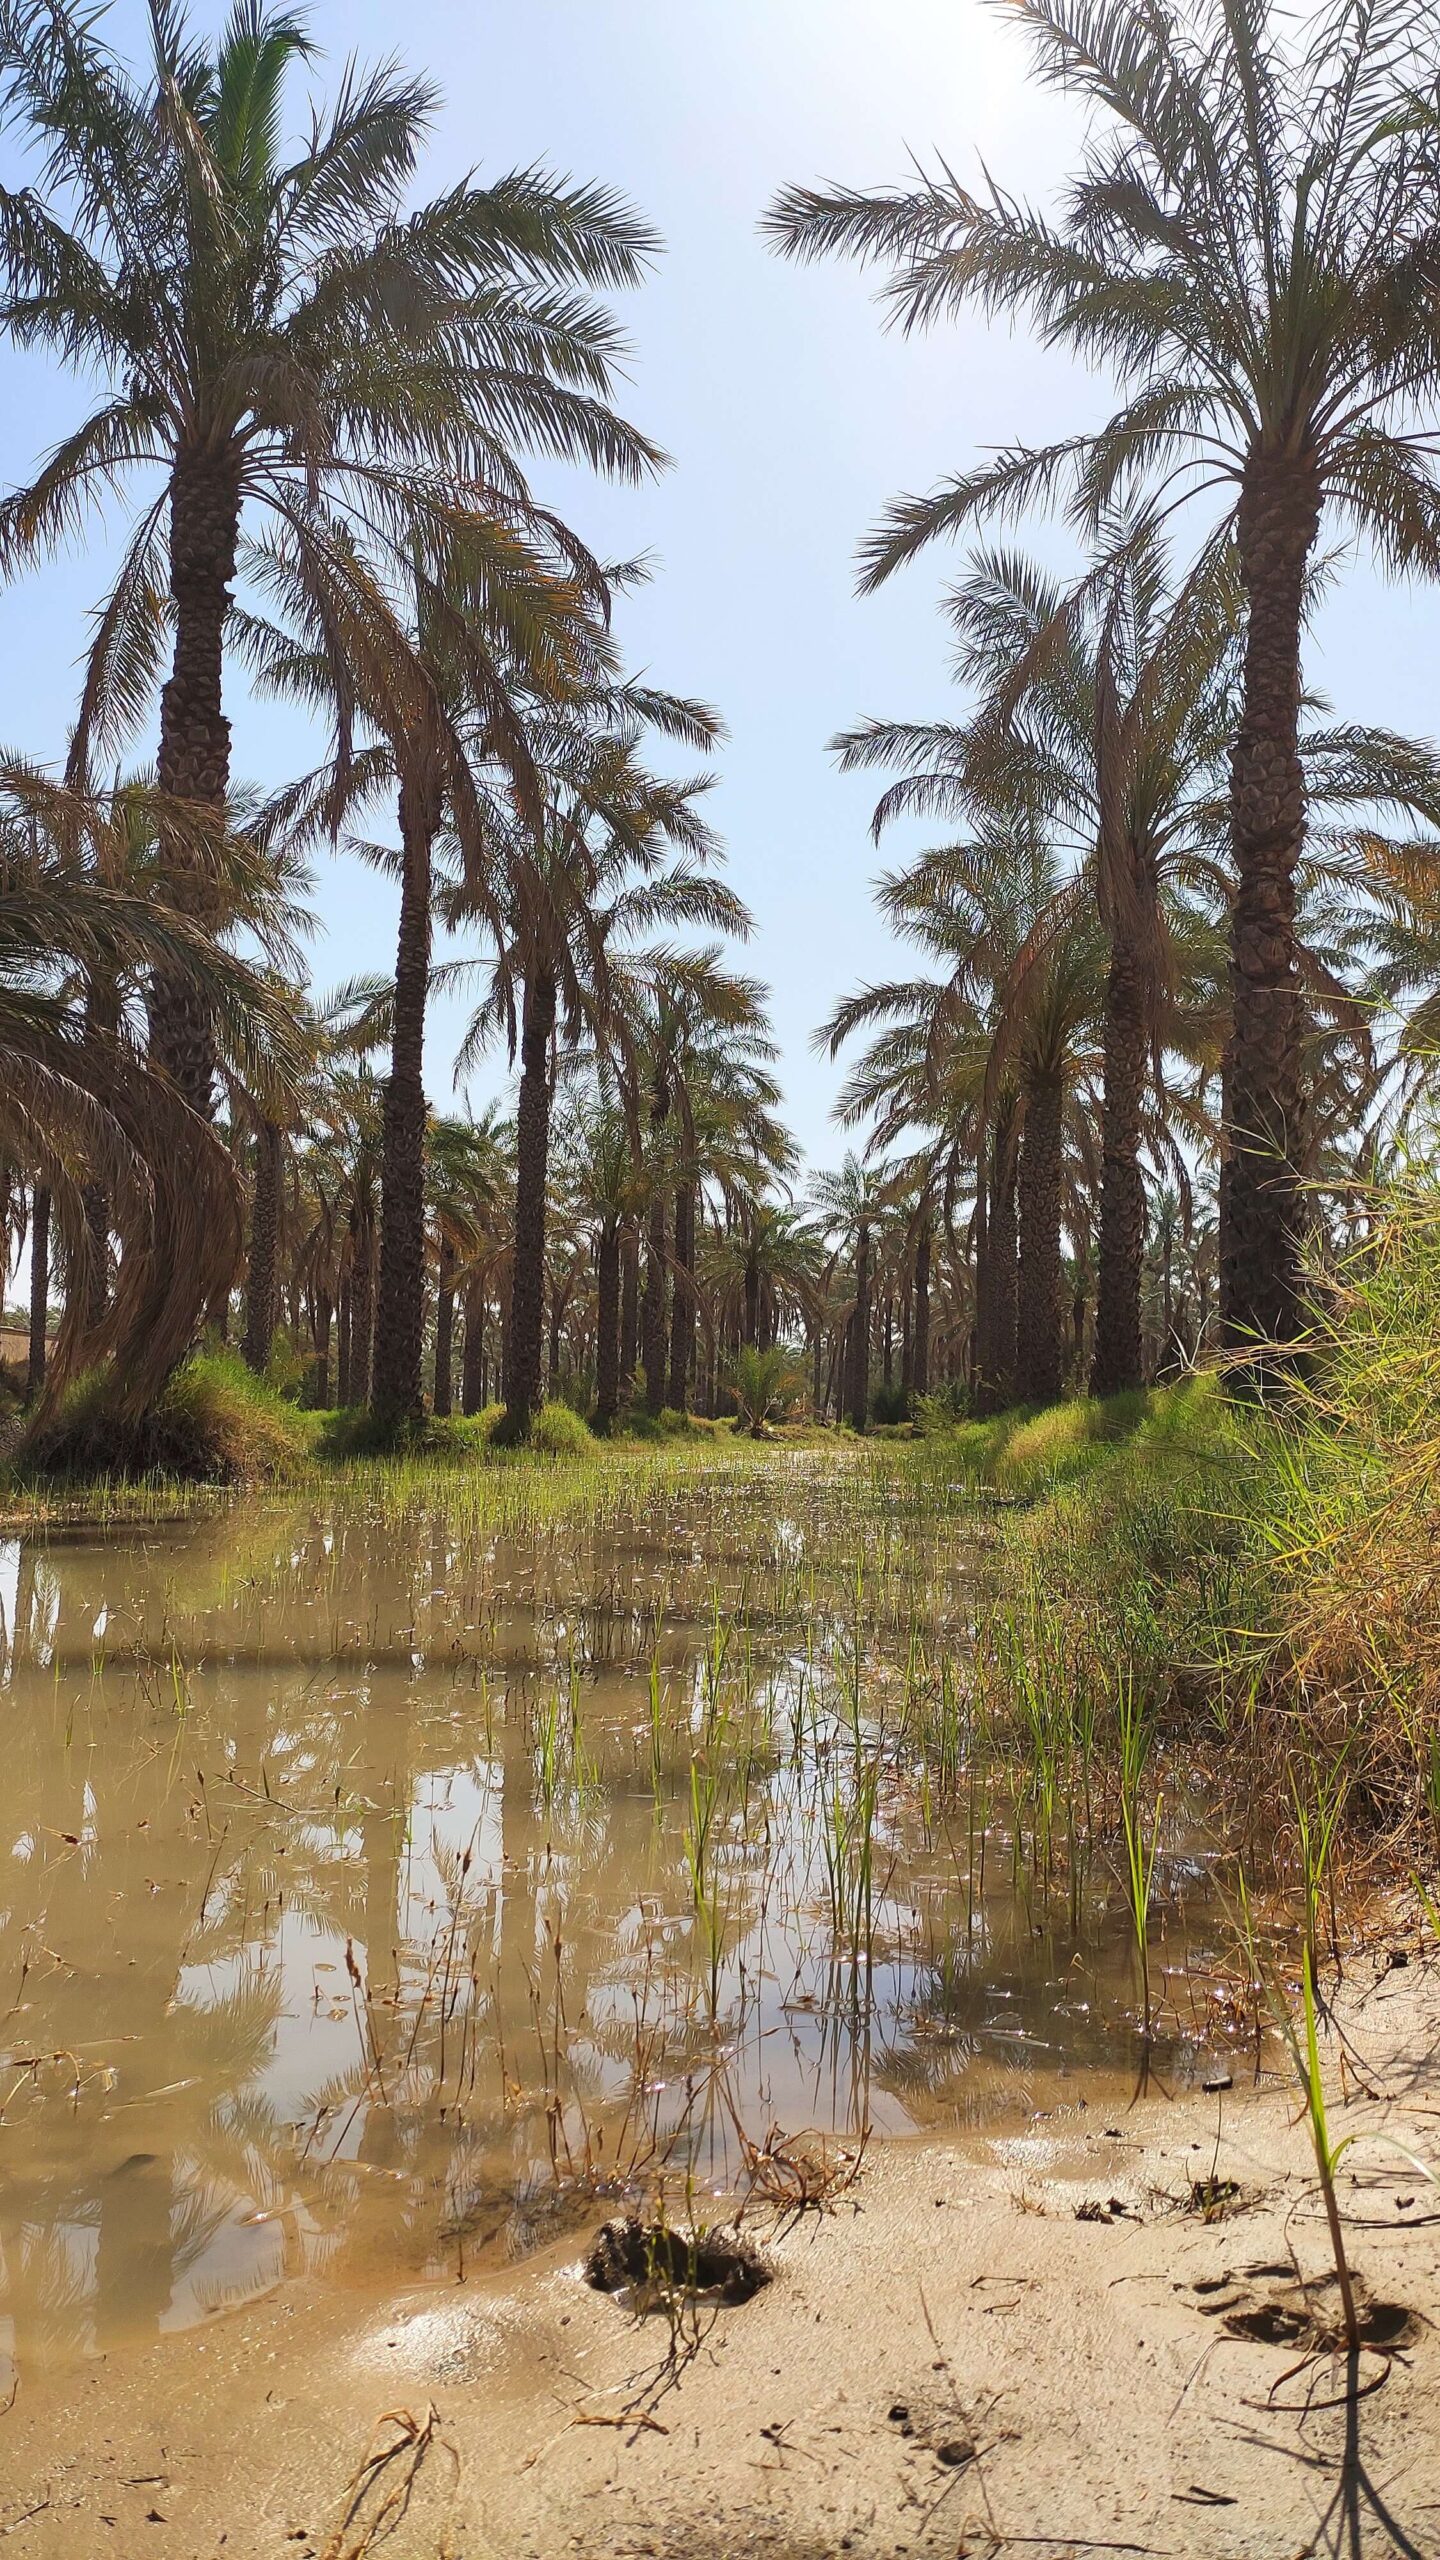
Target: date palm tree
{"x":848,"y":1205}
{"x":280,"y":333}
{"x":571,"y":895}
{"x":994,"y":1048}
{"x":764,"y":1269}
{"x":1106,"y":704}
{"x":704,"y":1059}
{"x":489,"y":614}
{"x":469,"y":1172}
{"x":1247,"y":245}
{"x":607,"y":1192}
{"x":83,"y":1108}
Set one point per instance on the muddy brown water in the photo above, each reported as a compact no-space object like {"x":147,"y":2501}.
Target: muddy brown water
{"x":379,"y":1887}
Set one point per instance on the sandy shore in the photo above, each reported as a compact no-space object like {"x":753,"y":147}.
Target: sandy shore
{"x":1024,"y":2344}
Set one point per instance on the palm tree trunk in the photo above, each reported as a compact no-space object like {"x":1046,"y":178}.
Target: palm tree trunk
{"x":39,"y":1290}
{"x":472,"y":1362}
{"x":629,"y":1311}
{"x":682,"y":1310}
{"x":264,"y":1236}
{"x":860,"y":1335}
{"x":607,"y":1327}
{"x":445,"y":1328}
{"x":996,"y":1274}
{"x":653,"y":1312}
{"x":1005,"y":1268}
{"x":982,"y":1377}
{"x":397,"y":1393}
{"x":1167,"y":1303}
{"x":194,"y":757}
{"x":752,"y":1302}
{"x":920,"y":1342}
{"x":342,"y":1357}
{"x":559,"y":1299}
{"x":1278,"y":520}
{"x":362,"y":1306}
{"x":532,"y":1155}
{"x":1118,"y":1362}
{"x":102,"y":1016}
{"x":1039,"y":1358}
{"x":324,"y":1313}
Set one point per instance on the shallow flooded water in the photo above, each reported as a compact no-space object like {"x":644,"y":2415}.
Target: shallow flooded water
{"x":383,"y":1879}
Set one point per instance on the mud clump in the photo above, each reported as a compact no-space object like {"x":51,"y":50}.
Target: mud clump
{"x":651,"y":2260}
{"x":928,"y":2424}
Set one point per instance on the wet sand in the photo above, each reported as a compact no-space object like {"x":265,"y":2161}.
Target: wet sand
{"x":1023,"y":2343}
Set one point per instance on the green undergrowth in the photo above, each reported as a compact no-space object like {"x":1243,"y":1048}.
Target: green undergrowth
{"x":1264,"y":1577}
{"x":1126,"y":1532}
{"x":216,"y":1423}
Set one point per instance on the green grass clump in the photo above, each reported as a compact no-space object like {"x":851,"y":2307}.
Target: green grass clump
{"x":216,"y":1423}
{"x":558,"y":1432}
{"x":1169,"y":1436}
{"x":352,"y":1432}
{"x":1349,"y":1510}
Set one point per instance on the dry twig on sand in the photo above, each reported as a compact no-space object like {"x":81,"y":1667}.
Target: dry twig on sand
{"x":379,"y":2491}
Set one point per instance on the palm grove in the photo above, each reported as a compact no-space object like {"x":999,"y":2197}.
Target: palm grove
{"x":1174,"y":952}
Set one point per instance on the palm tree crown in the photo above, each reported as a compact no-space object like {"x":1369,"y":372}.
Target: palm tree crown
{"x":1247,"y":246}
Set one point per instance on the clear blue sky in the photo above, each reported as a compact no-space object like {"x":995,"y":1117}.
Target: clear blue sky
{"x":790,"y":414}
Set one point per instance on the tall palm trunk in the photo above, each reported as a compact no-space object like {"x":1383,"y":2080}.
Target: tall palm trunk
{"x":860,"y":1334}
{"x":1278,"y":520}
{"x":532,"y":1156}
{"x":682,"y":1311}
{"x":1118,"y":1362}
{"x":39,"y":1290}
{"x":629,"y":1310}
{"x":607,"y":1327}
{"x":652,"y":1313}
{"x":559,"y":1301}
{"x":1039,"y":1356}
{"x":996,"y":1273}
{"x":324,"y":1315}
{"x":194,"y":757}
{"x":752,"y":1301}
{"x":1005,"y":1256}
{"x":397,"y":1394}
{"x":342,"y":1348}
{"x":102,"y":1016}
{"x":1167,"y":1303}
{"x":445,"y":1328}
{"x":362,"y":1303}
{"x":472,"y":1360}
{"x":920,"y":1335}
{"x":264,"y":1238}
{"x":982,"y":1362}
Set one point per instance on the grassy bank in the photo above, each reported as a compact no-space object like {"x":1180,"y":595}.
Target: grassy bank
{"x":1264,"y":1578}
